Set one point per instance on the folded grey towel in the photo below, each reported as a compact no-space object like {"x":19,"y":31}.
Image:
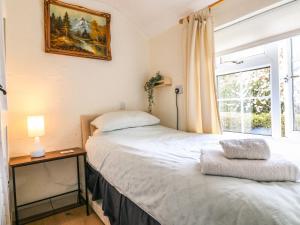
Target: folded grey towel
{"x":246,"y":149}
{"x":276,"y":168}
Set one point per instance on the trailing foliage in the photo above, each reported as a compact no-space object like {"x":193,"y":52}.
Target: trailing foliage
{"x":149,"y":86}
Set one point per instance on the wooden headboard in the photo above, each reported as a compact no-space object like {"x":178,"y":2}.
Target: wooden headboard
{"x":86,"y":128}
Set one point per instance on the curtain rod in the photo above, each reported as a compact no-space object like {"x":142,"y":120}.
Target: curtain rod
{"x":210,"y":7}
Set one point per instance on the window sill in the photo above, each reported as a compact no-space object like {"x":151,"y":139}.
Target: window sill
{"x":241,"y":135}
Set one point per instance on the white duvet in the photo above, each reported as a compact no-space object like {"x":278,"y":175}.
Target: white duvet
{"x":159,"y":169}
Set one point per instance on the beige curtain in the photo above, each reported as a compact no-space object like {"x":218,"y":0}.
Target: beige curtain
{"x":201,"y":103}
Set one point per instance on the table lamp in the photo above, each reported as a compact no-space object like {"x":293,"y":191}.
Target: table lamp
{"x":36,"y":129}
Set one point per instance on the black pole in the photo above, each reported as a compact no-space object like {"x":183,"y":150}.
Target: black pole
{"x":86,"y":190}
{"x":177,"y":119}
{"x":15,"y":196}
{"x":78,"y":180}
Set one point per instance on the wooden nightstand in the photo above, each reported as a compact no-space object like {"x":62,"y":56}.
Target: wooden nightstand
{"x":49,"y":156}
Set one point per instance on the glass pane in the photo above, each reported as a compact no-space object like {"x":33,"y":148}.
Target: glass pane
{"x":230,"y":112}
{"x":256,"y":83}
{"x":257,"y":116}
{"x":231,"y":122}
{"x":228,"y":86}
{"x":230,"y":106}
{"x":245,"y":102}
{"x":296,"y":97}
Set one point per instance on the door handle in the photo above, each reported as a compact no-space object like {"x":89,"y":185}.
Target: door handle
{"x":295,"y":76}
{"x":3,"y":90}
{"x":287,"y":78}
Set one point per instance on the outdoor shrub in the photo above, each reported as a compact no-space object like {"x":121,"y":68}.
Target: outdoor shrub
{"x":261,"y":120}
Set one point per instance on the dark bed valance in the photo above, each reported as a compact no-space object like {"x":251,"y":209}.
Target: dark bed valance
{"x":119,"y":209}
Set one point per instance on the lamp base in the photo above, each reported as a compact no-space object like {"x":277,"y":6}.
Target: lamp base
{"x":37,"y":153}
{"x":40,"y":151}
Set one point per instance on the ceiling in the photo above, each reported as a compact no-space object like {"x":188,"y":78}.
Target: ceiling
{"x":154,"y":16}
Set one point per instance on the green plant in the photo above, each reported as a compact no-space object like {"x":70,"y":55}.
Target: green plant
{"x":261,"y":120}
{"x":149,"y":87}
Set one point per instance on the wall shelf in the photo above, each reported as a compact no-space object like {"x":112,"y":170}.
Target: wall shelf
{"x":166,"y":81}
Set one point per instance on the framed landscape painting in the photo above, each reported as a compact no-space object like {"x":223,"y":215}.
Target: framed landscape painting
{"x":76,"y":31}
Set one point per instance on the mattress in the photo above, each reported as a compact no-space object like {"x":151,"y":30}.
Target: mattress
{"x":159,"y":170}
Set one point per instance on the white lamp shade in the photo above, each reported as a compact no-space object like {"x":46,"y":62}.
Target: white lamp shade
{"x":35,"y":126}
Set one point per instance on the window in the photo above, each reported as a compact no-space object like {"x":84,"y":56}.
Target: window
{"x":258,"y":89}
{"x":245,"y":101}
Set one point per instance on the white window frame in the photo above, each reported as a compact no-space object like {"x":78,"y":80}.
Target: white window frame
{"x":269,"y":59}
{"x":289,"y":97}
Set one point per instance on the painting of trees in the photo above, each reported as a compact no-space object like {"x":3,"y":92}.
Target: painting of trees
{"x":52,"y":23}
{"x":66,"y":27}
{"x":73,"y":30}
{"x":94,"y":30}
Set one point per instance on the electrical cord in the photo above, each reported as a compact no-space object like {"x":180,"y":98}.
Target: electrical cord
{"x":177,"y":117}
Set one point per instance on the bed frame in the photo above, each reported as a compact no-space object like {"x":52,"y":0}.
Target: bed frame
{"x":86,"y":131}
{"x":86,"y":128}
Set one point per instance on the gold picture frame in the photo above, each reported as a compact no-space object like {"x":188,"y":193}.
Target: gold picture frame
{"x":76,"y":31}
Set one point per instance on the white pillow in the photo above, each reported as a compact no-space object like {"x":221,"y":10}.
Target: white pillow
{"x":124,"y":119}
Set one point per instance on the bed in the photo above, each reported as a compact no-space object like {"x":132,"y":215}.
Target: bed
{"x":150,"y":175}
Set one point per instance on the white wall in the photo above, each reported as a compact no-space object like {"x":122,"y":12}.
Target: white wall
{"x":167,"y":54}
{"x":63,"y":87}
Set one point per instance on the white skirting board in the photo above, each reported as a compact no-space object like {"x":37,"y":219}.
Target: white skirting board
{"x":97,"y":207}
